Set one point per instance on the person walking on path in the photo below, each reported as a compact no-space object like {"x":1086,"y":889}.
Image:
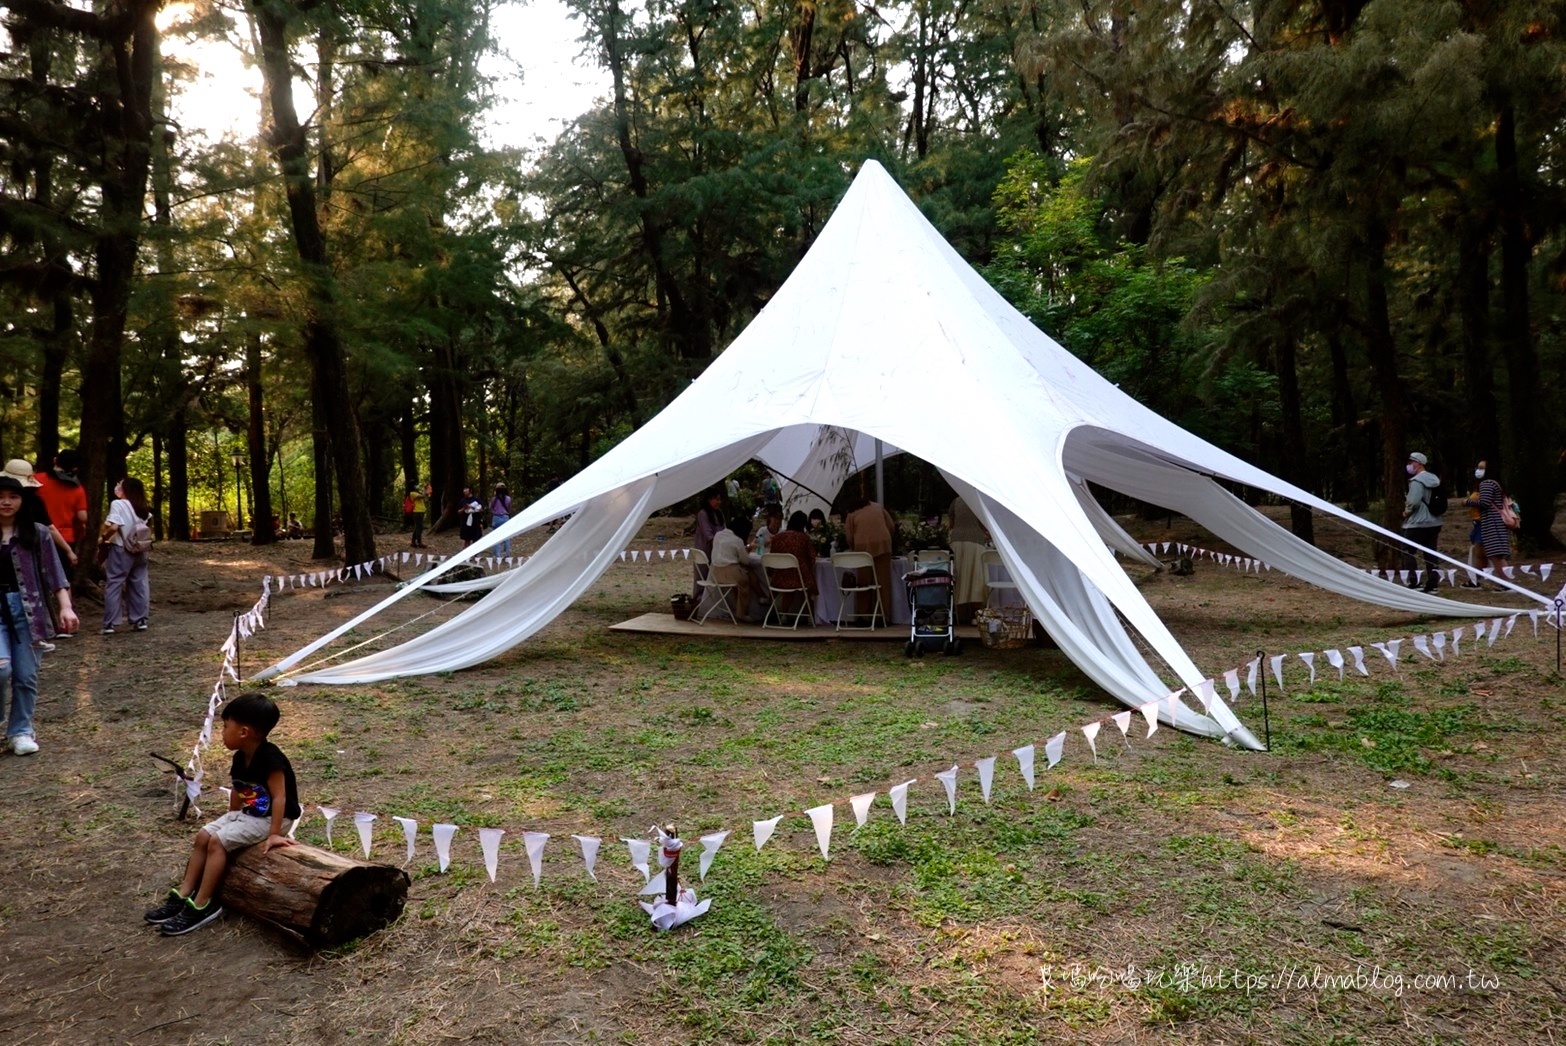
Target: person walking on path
{"x":66,"y":501}
{"x":1420,"y":525}
{"x":30,"y":573}
{"x":1495,"y":537}
{"x":127,"y":534}
{"x":499,"y":513}
{"x":421,"y":508}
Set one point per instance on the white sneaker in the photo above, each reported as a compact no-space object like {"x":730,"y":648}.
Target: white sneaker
{"x":23,"y":744}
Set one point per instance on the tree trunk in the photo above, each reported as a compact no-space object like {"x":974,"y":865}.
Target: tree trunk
{"x":321,"y":449}
{"x":322,"y":897}
{"x":179,"y":475}
{"x":255,"y":443}
{"x":408,"y":438}
{"x":1296,"y":461}
{"x":1382,"y":350}
{"x":323,"y":346}
{"x":1530,"y":468}
{"x":128,"y":63}
{"x":1473,"y":295}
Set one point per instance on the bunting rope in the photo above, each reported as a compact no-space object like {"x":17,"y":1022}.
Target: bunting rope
{"x":1249,"y":565}
{"x":1431,"y":645}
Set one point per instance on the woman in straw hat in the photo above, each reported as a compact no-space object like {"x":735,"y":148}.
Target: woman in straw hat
{"x":30,"y":572}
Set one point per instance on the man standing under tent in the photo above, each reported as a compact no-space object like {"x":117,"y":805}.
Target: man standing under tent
{"x":1420,"y":524}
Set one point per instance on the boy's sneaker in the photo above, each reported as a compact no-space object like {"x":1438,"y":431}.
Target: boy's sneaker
{"x":191,"y":918}
{"x":24,"y":744}
{"x":167,"y":910}
{"x":141,"y":626}
{"x":108,"y":630}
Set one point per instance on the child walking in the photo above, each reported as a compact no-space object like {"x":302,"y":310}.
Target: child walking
{"x":262,"y":808}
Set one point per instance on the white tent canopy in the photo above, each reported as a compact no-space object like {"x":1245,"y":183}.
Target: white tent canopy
{"x":879,"y":317}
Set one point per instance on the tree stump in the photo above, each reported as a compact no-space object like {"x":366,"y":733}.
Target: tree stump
{"x":321,"y":897}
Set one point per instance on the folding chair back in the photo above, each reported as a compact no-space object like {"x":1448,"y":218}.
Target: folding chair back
{"x":863,"y":566}
{"x":784,"y":563}
{"x":714,"y":593}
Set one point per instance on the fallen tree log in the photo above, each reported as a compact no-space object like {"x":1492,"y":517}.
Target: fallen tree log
{"x":321,"y":897}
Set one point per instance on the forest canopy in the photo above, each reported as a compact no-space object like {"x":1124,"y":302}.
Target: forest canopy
{"x":1320,"y":233}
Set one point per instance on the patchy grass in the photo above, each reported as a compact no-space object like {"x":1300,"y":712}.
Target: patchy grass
{"x":1170,"y":888}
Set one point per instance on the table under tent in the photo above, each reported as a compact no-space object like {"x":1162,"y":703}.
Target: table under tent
{"x":879,"y":303}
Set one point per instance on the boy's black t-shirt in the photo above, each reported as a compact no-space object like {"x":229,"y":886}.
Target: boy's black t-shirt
{"x":250,"y":782}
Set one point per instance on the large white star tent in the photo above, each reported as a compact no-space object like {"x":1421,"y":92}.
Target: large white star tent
{"x":884,"y":333}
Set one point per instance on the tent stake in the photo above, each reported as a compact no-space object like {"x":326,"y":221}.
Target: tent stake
{"x":1261,"y":670}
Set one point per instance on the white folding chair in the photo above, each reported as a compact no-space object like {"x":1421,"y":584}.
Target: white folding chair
{"x":988,"y":559}
{"x":926,"y":558}
{"x":784,"y":561}
{"x":862,"y":564}
{"x":714,"y":592}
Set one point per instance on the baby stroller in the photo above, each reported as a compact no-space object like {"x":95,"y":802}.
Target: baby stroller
{"x":934,"y":617}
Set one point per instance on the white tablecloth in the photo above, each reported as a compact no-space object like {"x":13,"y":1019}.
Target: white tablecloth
{"x":830,"y":600}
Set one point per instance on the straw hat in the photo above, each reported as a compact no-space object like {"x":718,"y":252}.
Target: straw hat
{"x":20,"y":473}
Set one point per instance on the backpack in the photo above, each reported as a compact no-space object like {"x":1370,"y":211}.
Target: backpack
{"x":137,"y":538}
{"x":1437,"y":501}
{"x":1511,"y":515}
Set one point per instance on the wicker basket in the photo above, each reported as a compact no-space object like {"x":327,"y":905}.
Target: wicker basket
{"x":1004,"y":628}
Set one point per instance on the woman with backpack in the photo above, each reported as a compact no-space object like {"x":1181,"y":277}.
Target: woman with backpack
{"x":127,"y":538}
{"x":1495,"y":533}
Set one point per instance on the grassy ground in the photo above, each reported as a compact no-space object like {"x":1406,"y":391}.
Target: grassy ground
{"x":1174,"y":889}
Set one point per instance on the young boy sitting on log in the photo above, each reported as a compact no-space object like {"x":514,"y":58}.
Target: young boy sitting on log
{"x":262,"y":807}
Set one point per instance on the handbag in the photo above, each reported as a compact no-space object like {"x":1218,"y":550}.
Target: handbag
{"x":1509,"y":516}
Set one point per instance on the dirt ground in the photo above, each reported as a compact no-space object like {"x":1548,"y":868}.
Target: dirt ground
{"x":1464,"y":869}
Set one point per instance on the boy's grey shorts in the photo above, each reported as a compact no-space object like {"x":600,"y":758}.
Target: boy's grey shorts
{"x":237,"y":830}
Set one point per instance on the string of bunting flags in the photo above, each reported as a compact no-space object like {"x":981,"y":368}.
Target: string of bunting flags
{"x":1249,"y":565}
{"x":1435,"y":646}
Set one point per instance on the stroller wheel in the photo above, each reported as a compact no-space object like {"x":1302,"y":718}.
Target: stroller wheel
{"x":909,"y":649}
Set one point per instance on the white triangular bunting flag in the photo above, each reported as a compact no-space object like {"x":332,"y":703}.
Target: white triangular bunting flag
{"x":1309,"y":657}
{"x":1204,"y":694}
{"x":1231,"y":679}
{"x":861,"y":806}
{"x":762,"y":830}
{"x":986,"y":768}
{"x":1358,"y":654}
{"x":1422,"y":644}
{"x":639,"y":850}
{"x":821,"y":818}
{"x":489,"y":842}
{"x":1388,"y":652}
{"x":709,"y":850}
{"x":1123,"y":721}
{"x":1544,"y":571}
{"x":589,"y":845}
{"x":1025,"y":763}
{"x":1509,"y":571}
{"x":1495,"y":628}
{"x":534,"y":841}
{"x":1335,"y":659}
{"x":898,"y":794}
{"x":1251,"y":671}
{"x":1402,"y":575}
{"x":1438,"y":640}
{"x":363,"y":821}
{"x":948,"y":779}
{"x":328,"y":812}
{"x":410,"y":832}
{"x":442,"y":834}
{"x":1526,"y":568}
{"x":1091,"y":733}
{"x":1054,"y":747}
{"x":1150,"y":713}
{"x":622,"y":557}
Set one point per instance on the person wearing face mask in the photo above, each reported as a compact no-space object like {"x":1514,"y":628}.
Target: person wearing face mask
{"x":1475,"y":544}
{"x":1491,"y":532}
{"x":1420,"y":525}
